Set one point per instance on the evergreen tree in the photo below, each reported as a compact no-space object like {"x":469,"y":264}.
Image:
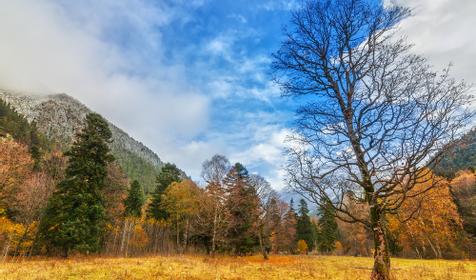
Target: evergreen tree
{"x":134,"y":200}
{"x":305,"y":230}
{"x":168,"y":174}
{"x":75,"y":216}
{"x":242,"y":204}
{"x":328,"y":232}
{"x":288,"y":237}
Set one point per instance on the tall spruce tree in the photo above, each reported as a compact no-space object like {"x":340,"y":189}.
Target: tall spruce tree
{"x":242,"y":205}
{"x":305,"y":230}
{"x":134,"y":201}
{"x":168,"y":174}
{"x":75,"y":218}
{"x":328,"y":231}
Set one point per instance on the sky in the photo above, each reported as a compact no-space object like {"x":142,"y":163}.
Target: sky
{"x":190,"y":78}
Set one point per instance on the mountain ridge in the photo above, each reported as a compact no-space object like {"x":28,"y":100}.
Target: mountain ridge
{"x":60,"y":116}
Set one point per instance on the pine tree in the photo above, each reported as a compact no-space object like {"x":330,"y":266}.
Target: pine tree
{"x":328,"y":231}
{"x":134,"y":201}
{"x":305,"y":230}
{"x":288,"y":238}
{"x":75,"y":216}
{"x":242,"y":204}
{"x":168,"y":174}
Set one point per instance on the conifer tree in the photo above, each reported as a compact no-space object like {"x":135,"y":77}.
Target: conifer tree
{"x":168,"y":174}
{"x":305,"y":230}
{"x":242,"y":205}
{"x":75,"y":216}
{"x":328,"y":232}
{"x":134,"y":201}
{"x":289,"y":228}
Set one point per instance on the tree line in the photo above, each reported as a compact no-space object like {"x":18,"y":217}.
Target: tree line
{"x":81,"y":202}
{"x":374,"y":121}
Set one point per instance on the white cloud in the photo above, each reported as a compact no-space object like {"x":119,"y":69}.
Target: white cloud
{"x":272,"y":5}
{"x":443,"y":31}
{"x":108,"y":54}
{"x":267,"y":151}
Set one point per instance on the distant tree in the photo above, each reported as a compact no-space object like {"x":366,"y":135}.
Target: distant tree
{"x":214,"y":172}
{"x":287,"y":236}
{"x":463,"y":189}
{"x":302,"y":247}
{"x":275,"y":211}
{"x":373,"y":113}
{"x":268,"y":218}
{"x":134,"y":201}
{"x":182,"y":201}
{"x":75,"y":217}
{"x":436,"y":230}
{"x":15,"y":168}
{"x":305,"y":230}
{"x":168,"y":175}
{"x":242,"y":204}
{"x":115,"y":190}
{"x":328,"y":231}
{"x":23,"y":131}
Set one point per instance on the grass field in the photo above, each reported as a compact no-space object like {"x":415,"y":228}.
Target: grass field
{"x":246,"y":268}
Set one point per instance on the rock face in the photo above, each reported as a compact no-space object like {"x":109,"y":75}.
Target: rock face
{"x":59,"y":117}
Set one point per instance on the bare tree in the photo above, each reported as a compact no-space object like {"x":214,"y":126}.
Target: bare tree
{"x":375,"y":117}
{"x":213,"y":172}
{"x":267,"y":199}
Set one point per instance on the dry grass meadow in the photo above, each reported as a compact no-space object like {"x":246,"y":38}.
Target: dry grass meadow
{"x":230,"y":268}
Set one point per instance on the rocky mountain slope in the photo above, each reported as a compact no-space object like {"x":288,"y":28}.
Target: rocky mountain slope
{"x":59,"y":117}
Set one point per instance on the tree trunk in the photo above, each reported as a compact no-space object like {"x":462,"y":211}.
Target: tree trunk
{"x":128,"y":237}
{"x":381,"y":270}
{"x":123,"y":239}
{"x":177,"y":236}
{"x":7,"y":248}
{"x":214,"y":234}
{"x":185,"y":241}
{"x":65,"y":252}
{"x":261,"y":244}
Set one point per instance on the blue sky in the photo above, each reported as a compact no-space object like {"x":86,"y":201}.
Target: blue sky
{"x":189,"y":78}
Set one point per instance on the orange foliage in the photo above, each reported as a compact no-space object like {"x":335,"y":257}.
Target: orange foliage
{"x":15,"y":166}
{"x":434,"y":230}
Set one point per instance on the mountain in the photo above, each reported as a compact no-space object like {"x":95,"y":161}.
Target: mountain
{"x":59,"y":117}
{"x":460,"y":157}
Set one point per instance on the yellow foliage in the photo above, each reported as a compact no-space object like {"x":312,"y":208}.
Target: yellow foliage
{"x":435,"y":224}
{"x":302,"y":247}
{"x":339,"y":248}
{"x":17,"y":236}
{"x":139,"y":237}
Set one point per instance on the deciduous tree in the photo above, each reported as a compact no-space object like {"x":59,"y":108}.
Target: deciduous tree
{"x":373,"y":113}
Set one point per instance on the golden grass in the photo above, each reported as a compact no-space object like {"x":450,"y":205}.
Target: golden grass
{"x":230,"y":268}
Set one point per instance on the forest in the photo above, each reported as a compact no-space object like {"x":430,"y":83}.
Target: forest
{"x":235,"y":212}
{"x":379,"y":162}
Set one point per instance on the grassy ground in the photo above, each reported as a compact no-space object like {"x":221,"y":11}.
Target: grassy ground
{"x":246,"y":268}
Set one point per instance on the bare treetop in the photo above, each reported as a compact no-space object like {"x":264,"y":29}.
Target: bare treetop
{"x":374,"y":117}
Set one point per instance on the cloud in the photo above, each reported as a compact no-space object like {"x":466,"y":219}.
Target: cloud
{"x":109,"y":55}
{"x":273,"y":5}
{"x":443,"y":31}
{"x":267,"y":154}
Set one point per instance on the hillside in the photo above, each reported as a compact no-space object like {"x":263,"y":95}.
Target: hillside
{"x":59,"y":117}
{"x":461,"y":157}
